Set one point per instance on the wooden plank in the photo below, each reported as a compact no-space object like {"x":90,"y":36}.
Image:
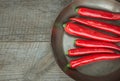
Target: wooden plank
{"x":29,"y":62}
{"x":21,"y":24}
{"x":25,"y":34}
{"x":17,"y":58}
{"x":39,"y":68}
{"x":28,"y":20}
{"x":53,"y":73}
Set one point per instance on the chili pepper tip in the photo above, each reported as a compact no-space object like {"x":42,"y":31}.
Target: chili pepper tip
{"x":68,"y":65}
{"x":64,"y":25}
{"x":76,"y":10}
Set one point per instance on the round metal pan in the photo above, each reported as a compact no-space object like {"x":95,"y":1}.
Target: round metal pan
{"x":61,"y":42}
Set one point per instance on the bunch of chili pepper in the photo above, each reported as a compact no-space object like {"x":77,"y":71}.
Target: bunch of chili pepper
{"x":99,"y":46}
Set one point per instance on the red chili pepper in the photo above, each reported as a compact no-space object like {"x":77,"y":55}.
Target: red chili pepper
{"x":98,"y":24}
{"x":98,"y":13}
{"x":91,"y":59}
{"x":84,"y":51}
{"x":77,"y":30}
{"x":94,"y":43}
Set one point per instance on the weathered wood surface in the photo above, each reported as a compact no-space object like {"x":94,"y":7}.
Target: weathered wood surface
{"x":25,"y":30}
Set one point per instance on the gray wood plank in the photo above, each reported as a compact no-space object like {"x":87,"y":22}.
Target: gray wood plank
{"x":28,"y":20}
{"x":17,"y":58}
{"x":54,"y":73}
{"x":29,"y":62}
{"x":25,"y":34}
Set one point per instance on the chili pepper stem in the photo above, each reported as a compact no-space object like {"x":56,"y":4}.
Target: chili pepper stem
{"x":76,"y":10}
{"x":64,"y":25}
{"x":74,"y":42}
{"x":68,"y":65}
{"x":66,"y":53}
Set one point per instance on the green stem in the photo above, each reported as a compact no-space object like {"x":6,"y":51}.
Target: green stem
{"x":77,"y":9}
{"x":66,"y":53}
{"x":68,"y":65}
{"x":64,"y":25}
{"x":74,"y":42}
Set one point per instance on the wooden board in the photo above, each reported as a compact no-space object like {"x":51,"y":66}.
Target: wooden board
{"x":25,"y":34}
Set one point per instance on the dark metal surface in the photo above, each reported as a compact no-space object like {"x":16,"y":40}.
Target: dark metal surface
{"x":118,"y":0}
{"x":61,"y":42}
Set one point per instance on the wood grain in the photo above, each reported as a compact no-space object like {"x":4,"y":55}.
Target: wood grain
{"x":17,"y":58}
{"x":25,"y":34}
